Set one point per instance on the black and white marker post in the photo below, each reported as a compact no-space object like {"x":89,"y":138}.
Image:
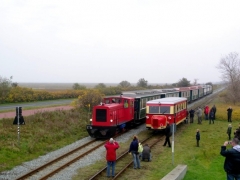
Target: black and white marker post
{"x":18,"y":121}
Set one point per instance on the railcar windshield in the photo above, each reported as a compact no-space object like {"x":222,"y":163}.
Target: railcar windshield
{"x":101,"y":115}
{"x":159,"y":109}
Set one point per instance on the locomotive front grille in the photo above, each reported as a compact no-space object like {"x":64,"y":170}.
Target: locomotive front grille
{"x":155,"y":123}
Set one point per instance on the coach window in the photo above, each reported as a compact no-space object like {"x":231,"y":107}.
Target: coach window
{"x":144,"y":102}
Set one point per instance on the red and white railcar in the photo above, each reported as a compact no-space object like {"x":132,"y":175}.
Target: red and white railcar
{"x":161,"y":111}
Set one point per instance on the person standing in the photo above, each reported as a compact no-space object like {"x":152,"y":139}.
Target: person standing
{"x":140,"y":149}
{"x":191,"y":112}
{"x":206,"y":112}
{"x":199,"y":115}
{"x":167,"y":135}
{"x":229,"y":114}
{"x":214,"y":111}
{"x":133,"y":149}
{"x":111,"y":147}
{"x":232,"y":159}
{"x":211,"y":117}
{"x":237,"y":132}
{"x":186,"y":120}
{"x":229,"y":131}
{"x":198,"y":137}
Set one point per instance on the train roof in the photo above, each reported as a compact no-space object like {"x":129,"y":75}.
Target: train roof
{"x":141,"y":93}
{"x":168,"y":100}
{"x":165,"y":90}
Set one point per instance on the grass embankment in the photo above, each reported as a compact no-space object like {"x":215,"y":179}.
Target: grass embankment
{"x":204,"y":162}
{"x":43,"y":133}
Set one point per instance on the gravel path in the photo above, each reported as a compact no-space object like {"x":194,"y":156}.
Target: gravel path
{"x":12,"y":114}
{"x":69,"y":172}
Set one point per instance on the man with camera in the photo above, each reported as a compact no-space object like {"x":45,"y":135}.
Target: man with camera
{"x":232,"y":159}
{"x":111,"y":147}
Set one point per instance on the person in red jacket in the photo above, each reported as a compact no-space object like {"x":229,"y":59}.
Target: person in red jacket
{"x":111,"y":147}
{"x":206,"y":112}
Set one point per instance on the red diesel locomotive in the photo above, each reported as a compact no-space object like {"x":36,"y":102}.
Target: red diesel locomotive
{"x":111,"y":116}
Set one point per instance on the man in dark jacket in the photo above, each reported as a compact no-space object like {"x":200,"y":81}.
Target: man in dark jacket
{"x":198,"y":137}
{"x":191,"y":112}
{"x":214,"y":110}
{"x":167,"y":135}
{"x":133,"y":149}
{"x":232,"y":160}
{"x":146,"y":154}
{"x":229,"y":114}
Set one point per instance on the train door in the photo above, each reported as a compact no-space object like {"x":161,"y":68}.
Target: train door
{"x":136,"y":108}
{"x":127,"y":108}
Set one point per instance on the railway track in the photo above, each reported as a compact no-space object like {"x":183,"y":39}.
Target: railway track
{"x":59,"y":163}
{"x":49,"y":169}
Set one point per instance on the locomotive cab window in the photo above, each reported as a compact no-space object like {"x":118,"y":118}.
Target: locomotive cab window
{"x":101,"y":115}
{"x":165,"y":110}
{"x":107,"y":101}
{"x":153,"y":109}
{"x":159,"y":110}
{"x":125,"y":103}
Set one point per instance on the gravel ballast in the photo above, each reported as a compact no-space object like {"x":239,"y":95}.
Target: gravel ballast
{"x":69,"y":172}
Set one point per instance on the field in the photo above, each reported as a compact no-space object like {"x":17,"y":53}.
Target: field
{"x":66,"y":86}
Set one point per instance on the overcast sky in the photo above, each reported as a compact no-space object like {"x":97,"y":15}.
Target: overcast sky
{"x":108,"y":41}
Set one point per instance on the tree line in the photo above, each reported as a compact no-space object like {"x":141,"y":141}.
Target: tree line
{"x":12,"y":93}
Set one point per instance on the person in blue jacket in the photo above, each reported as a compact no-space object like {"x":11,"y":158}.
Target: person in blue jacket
{"x":133,"y":149}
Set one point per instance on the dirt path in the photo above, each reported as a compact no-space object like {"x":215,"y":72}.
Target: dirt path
{"x":33,"y":111}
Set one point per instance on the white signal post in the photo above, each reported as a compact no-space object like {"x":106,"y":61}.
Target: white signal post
{"x":18,"y":126}
{"x":173,"y":132}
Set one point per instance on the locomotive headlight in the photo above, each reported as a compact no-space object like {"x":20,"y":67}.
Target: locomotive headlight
{"x":111,"y":120}
{"x":147,"y":117}
{"x":90,"y":119}
{"x":169,"y":117}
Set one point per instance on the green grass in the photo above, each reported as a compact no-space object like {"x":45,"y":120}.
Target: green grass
{"x":44,"y":132}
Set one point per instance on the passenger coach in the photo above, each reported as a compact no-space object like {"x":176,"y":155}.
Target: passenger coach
{"x":161,"y":111}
